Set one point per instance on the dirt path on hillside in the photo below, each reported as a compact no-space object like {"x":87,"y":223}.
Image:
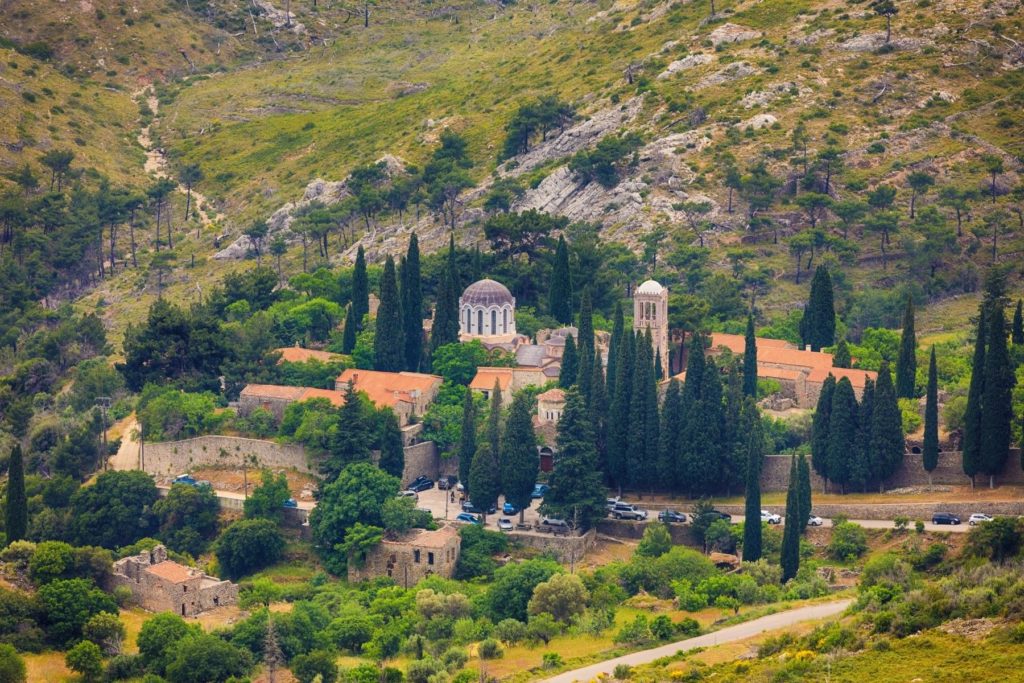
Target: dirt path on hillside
{"x":127,"y":457}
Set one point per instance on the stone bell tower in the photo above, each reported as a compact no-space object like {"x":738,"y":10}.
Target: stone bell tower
{"x":650,"y":312}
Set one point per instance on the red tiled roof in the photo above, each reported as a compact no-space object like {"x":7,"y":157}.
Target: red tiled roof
{"x":737,"y":342}
{"x":777,"y":351}
{"x":295,"y":354}
{"x":555,"y":394}
{"x":171,"y":571}
{"x":276,"y":391}
{"x":335,"y":397}
{"x":858,"y":378}
{"x":486,"y":376}
{"x":389,"y":388}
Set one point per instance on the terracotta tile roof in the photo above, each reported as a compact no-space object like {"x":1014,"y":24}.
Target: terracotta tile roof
{"x":390,"y":388}
{"x":737,"y":342}
{"x":552,"y":395}
{"x":486,"y":376}
{"x":780,"y":373}
{"x":171,"y":571}
{"x":275,"y":391}
{"x":335,"y":397}
{"x":777,"y":351}
{"x":858,"y":378}
{"x":295,"y":354}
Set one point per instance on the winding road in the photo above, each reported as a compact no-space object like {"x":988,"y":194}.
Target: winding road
{"x":725,"y":635}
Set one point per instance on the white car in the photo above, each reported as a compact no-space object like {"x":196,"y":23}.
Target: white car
{"x":978,"y":518}
{"x":770,"y":517}
{"x":504,"y":524}
{"x":815,"y":520}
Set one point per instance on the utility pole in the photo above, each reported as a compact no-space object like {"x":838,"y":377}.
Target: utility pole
{"x":104,"y":403}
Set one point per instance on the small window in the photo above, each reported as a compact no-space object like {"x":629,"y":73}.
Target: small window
{"x":494,"y":322}
{"x":430,"y":558}
{"x":416,"y":556}
{"x":184,"y":589}
{"x":479,"y":322}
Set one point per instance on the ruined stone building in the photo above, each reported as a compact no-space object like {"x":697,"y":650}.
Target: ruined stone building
{"x":416,"y":555}
{"x":161,"y":585}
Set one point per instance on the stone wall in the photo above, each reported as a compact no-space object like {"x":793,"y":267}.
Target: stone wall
{"x":563,"y":548}
{"x":775,"y":472}
{"x":420,"y":460}
{"x":171,"y":458}
{"x":682,"y":534}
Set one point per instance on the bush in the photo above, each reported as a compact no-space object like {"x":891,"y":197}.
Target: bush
{"x":563,"y":596}
{"x":85,"y":659}
{"x":12,"y":667}
{"x":421,"y":670}
{"x":307,"y":667}
{"x":123,"y":667}
{"x":662,"y":627}
{"x":551,"y":660}
{"x":635,"y":632}
{"x":622,"y":672}
{"x":848,"y":542}
{"x":689,"y":599}
{"x":510,"y":631}
{"x":656,"y":541}
{"x":249,"y":545}
{"x":489,"y":649}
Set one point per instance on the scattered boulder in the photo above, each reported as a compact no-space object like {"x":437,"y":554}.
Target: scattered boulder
{"x":870,"y":42}
{"x":733,"y":72}
{"x":759,"y":121}
{"x":731,"y":33}
{"x":688,"y":62}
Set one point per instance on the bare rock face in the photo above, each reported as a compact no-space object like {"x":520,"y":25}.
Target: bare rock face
{"x":811,"y":38}
{"x":278,"y":17}
{"x":731,"y":33}
{"x":869,"y":42}
{"x":760,"y":121}
{"x":688,"y":62}
{"x":771,"y":93}
{"x":733,"y":72}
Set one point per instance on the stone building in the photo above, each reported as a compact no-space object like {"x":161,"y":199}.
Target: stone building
{"x":650,"y":312}
{"x":550,"y":405}
{"x":161,"y":585}
{"x":416,"y":555}
{"x":409,"y":394}
{"x":276,"y":398}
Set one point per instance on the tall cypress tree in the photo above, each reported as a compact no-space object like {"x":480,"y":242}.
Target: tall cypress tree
{"x":577,"y":492}
{"x":412,"y":305}
{"x":867,"y":462}
{"x":350,"y":442}
{"x":494,"y":420}
{"x":560,"y":291}
{"x":570,"y":364}
{"x":738,"y":418}
{"x":841,"y":358}
{"x":618,"y":330}
{"x":659,"y":366}
{"x":652,"y":420}
{"x":996,"y":401}
{"x":972,"y":415}
{"x":388,"y":339}
{"x":392,"y":452}
{"x":519,"y":458}
{"x":790,"y":555}
{"x":706,"y":442}
{"x":584,"y":375}
{"x":1017,"y":331}
{"x":445,"y":329}
{"x":618,"y":420}
{"x":752,"y":509}
{"x":818,"y":325}
{"x":887,"y":443}
{"x":348,"y":337}
{"x":16,"y":512}
{"x":360,"y":289}
{"x":930,"y":452}
{"x":637,"y":467}
{"x":820,"y":430}
{"x":599,"y":412}
{"x":842,"y":434}
{"x":669,"y":446}
{"x":750,"y":360}
{"x":803,"y":470}
{"x":906,"y":363}
{"x":485,"y":471}
{"x":467,"y":439}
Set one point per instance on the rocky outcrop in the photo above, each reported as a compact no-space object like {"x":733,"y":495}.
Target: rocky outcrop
{"x":688,"y":62}
{"x":759,"y":98}
{"x":731,"y":33}
{"x":869,"y":42}
{"x":758,"y":122}
{"x":732,"y":72}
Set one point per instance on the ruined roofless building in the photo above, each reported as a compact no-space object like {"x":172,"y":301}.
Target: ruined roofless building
{"x":161,"y":585}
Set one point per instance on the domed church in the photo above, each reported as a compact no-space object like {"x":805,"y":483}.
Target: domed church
{"x":487,"y":311}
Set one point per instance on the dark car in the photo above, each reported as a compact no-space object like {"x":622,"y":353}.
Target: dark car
{"x":509,"y":509}
{"x":945,"y":518}
{"x":672,"y":516}
{"x":291,"y":503}
{"x":445,"y":483}
{"x":421,"y":484}
{"x":715,"y":515}
{"x":469,"y":507}
{"x":540,"y":490}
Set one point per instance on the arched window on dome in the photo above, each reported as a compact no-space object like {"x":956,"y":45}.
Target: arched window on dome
{"x":469,"y":320}
{"x":494,"y":321}
{"x":504,"y":321}
{"x":480,"y":322}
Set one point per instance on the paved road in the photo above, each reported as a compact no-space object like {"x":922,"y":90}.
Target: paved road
{"x":726,"y":635}
{"x":887,"y":524}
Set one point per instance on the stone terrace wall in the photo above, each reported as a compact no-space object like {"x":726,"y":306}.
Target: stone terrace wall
{"x":171,"y":458}
{"x":886,"y":511}
{"x":564,"y":548}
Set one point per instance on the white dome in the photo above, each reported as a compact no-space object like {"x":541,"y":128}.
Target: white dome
{"x":650,"y":287}
{"x":487,"y":293}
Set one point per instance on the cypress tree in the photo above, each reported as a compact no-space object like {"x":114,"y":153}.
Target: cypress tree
{"x":695,"y":364}
{"x":752,"y":510}
{"x":351,"y":441}
{"x":1017,"y":331}
{"x":570,"y":364}
{"x":818,"y":325}
{"x":16,"y":512}
{"x":599,"y":411}
{"x":996,"y":401}
{"x":360,"y":289}
{"x":618,"y":420}
{"x":841,"y":358}
{"x":930,"y":452}
{"x":803,"y":470}
{"x":392,"y":452}
{"x":652,"y":420}
{"x":669,"y":436}
{"x":586,"y":324}
{"x":867,"y":460}
{"x":585,"y":347}
{"x":585,"y":372}
{"x":412,"y":305}
{"x":348,"y":337}
{"x":519,"y":458}
{"x":887,"y":442}
{"x":842,"y":434}
{"x":659,"y":369}
{"x":485,"y":471}
{"x":972,"y":415}
{"x":637,"y":462}
{"x":445,"y":329}
{"x":906,"y":363}
{"x":467,"y":439}
{"x":388,"y":339}
{"x":738,"y":418}
{"x":820,"y":430}
{"x":790,"y":555}
{"x":560,"y":291}
{"x":750,"y":360}
{"x":577,"y":492}
{"x":618,"y":330}
{"x":706,"y":436}
{"x":494,"y":420}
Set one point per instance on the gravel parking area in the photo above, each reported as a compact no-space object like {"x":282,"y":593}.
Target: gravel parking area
{"x":441,"y":505}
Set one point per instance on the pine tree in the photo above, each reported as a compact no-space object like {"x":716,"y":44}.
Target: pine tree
{"x":750,"y":360}
{"x":16,"y":516}
{"x":752,"y":509}
{"x":412,"y":305}
{"x":841,"y":358}
{"x":887,"y":443}
{"x":445,"y":329}
{"x":360,"y":289}
{"x":669,"y":446}
{"x":842,"y":434}
{"x":351,"y":441}
{"x":906,"y":363}
{"x":618,"y":330}
{"x":820,"y":430}
{"x":577,"y":492}
{"x":972,"y":415}
{"x":1017,"y":331}
{"x":560,"y":292}
{"x":930,"y":451}
{"x":618,"y":420}
{"x":519,"y":458}
{"x":388,"y":339}
{"x":570,"y":364}
{"x":996,"y":401}
{"x":467,"y":439}
{"x":818,"y":325}
{"x":803,"y":470}
{"x":392,"y":451}
{"x":348,"y":337}
{"x":790,"y":555}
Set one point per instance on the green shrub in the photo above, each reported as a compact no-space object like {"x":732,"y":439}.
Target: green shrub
{"x":848,"y":541}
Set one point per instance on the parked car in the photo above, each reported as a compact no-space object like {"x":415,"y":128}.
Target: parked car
{"x":185,"y":479}
{"x":945,"y":518}
{"x":291,"y":503}
{"x":978,"y":518}
{"x":555,"y":526}
{"x":468,"y":518}
{"x":627,"y":511}
{"x":715,"y":515}
{"x":421,"y":484}
{"x":509,"y":509}
{"x":409,"y":494}
{"x":469,"y":507}
{"x":770,"y":517}
{"x":612,"y":502}
{"x":447,"y":482}
{"x":540,"y":490}
{"x":815,"y":520}
{"x":671,"y":516}
{"x":504,"y":524}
